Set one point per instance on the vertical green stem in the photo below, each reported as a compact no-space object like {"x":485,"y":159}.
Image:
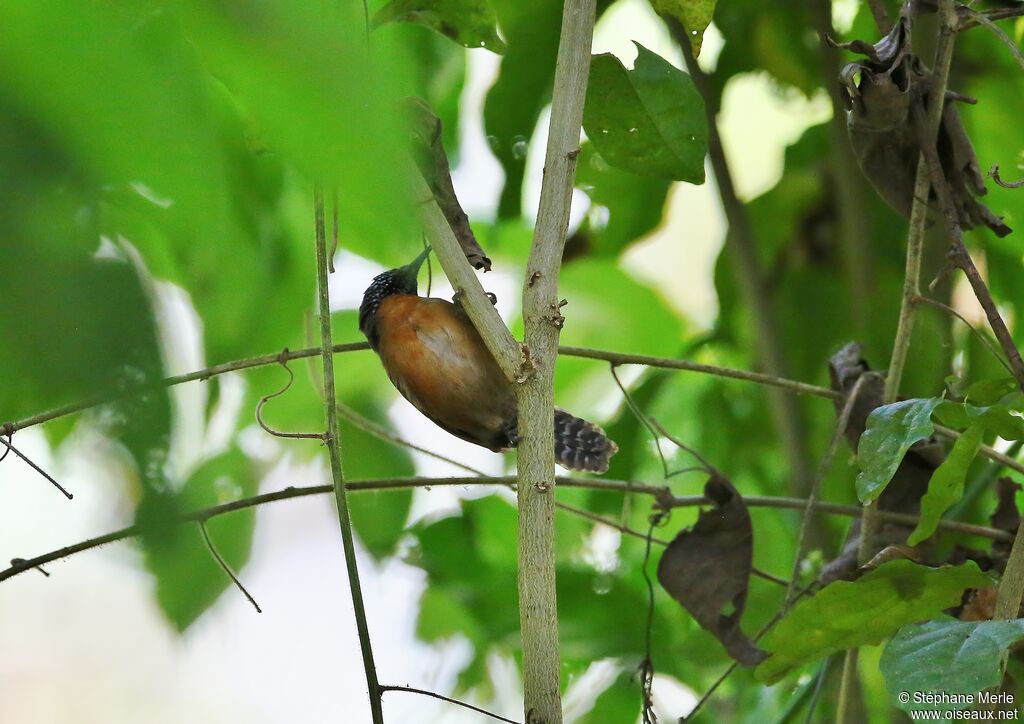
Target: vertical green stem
{"x":334,"y":451}
{"x":911,"y":290}
{"x":538,"y":612}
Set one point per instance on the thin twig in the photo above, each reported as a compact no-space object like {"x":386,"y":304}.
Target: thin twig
{"x":642,"y":418}
{"x":334,"y":230}
{"x":334,"y":453}
{"x":1003,"y":38}
{"x":1011,"y":588}
{"x":823,"y":467}
{"x":735,"y":664}
{"x":1000,"y":14}
{"x":881,"y":16}
{"x":16,"y":451}
{"x":276,"y":433}
{"x":705,"y":465}
{"x":198,"y":375}
{"x":369,"y":426}
{"x":277,"y":357}
{"x":225,"y":567}
{"x":660,"y":494}
{"x":819,"y":686}
{"x":647,"y":665}
{"x":852,"y":511}
{"x":20,"y":562}
{"x":994,"y":174}
{"x":507,"y":352}
{"x":996,"y":352}
{"x":435,"y":695}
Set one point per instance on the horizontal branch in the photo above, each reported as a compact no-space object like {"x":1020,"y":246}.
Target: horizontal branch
{"x":852,"y":511}
{"x":442,"y":697}
{"x":619,"y":358}
{"x":661,"y":494}
{"x":288,"y":355}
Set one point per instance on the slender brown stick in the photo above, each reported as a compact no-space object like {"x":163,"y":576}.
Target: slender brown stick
{"x":996,"y":352}
{"x":333,"y":442}
{"x":267,"y":398}
{"x":442,"y":697}
{"x":801,"y":388}
{"x":225,"y":567}
{"x":1011,"y":589}
{"x":507,"y":352}
{"x":382,"y":433}
{"x":969,"y":22}
{"x":662,"y":496}
{"x":11,"y":449}
{"x":982,"y":19}
{"x":881,"y":16}
{"x":994,"y":173}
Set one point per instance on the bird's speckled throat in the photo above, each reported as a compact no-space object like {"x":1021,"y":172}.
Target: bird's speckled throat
{"x":394,"y":281}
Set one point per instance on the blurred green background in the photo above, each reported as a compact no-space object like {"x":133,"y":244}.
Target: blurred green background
{"x":156,"y":169}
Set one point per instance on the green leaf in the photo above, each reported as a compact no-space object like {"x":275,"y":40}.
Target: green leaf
{"x":989,"y":392}
{"x":188,"y":579}
{"x":890,"y":432}
{"x":649,"y":120}
{"x":947,"y":484}
{"x":846,"y":614}
{"x":470,"y":23}
{"x":522,"y":90}
{"x":996,"y":418}
{"x":378,"y":516}
{"x":595,"y":317}
{"x":954,"y":657}
{"x":634,"y":204}
{"x":695,"y":15}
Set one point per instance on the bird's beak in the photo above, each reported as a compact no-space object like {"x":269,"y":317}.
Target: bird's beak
{"x":412,"y":268}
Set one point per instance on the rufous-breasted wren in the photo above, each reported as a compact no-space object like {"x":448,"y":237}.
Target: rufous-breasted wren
{"x":436,"y":358}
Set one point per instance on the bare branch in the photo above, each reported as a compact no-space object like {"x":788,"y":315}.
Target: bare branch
{"x":266,"y":398}
{"x":334,"y":453}
{"x":994,"y":173}
{"x":28,"y":461}
{"x":435,"y":695}
{"x":984,"y":20}
{"x":225,"y":567}
{"x":936,"y":304}
{"x":288,"y":355}
{"x":662,"y":496}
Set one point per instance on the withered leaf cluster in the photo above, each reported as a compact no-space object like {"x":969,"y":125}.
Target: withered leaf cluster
{"x":903,"y":494}
{"x":429,"y":154}
{"x":882,"y":90}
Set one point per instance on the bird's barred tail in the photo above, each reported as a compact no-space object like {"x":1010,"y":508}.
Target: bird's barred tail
{"x":581,"y":445}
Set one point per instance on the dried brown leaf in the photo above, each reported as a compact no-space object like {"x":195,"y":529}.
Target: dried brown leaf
{"x":707,"y":569}
{"x":432,"y":160}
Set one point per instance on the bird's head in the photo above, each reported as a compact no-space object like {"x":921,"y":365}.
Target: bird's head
{"x":394,"y":281}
